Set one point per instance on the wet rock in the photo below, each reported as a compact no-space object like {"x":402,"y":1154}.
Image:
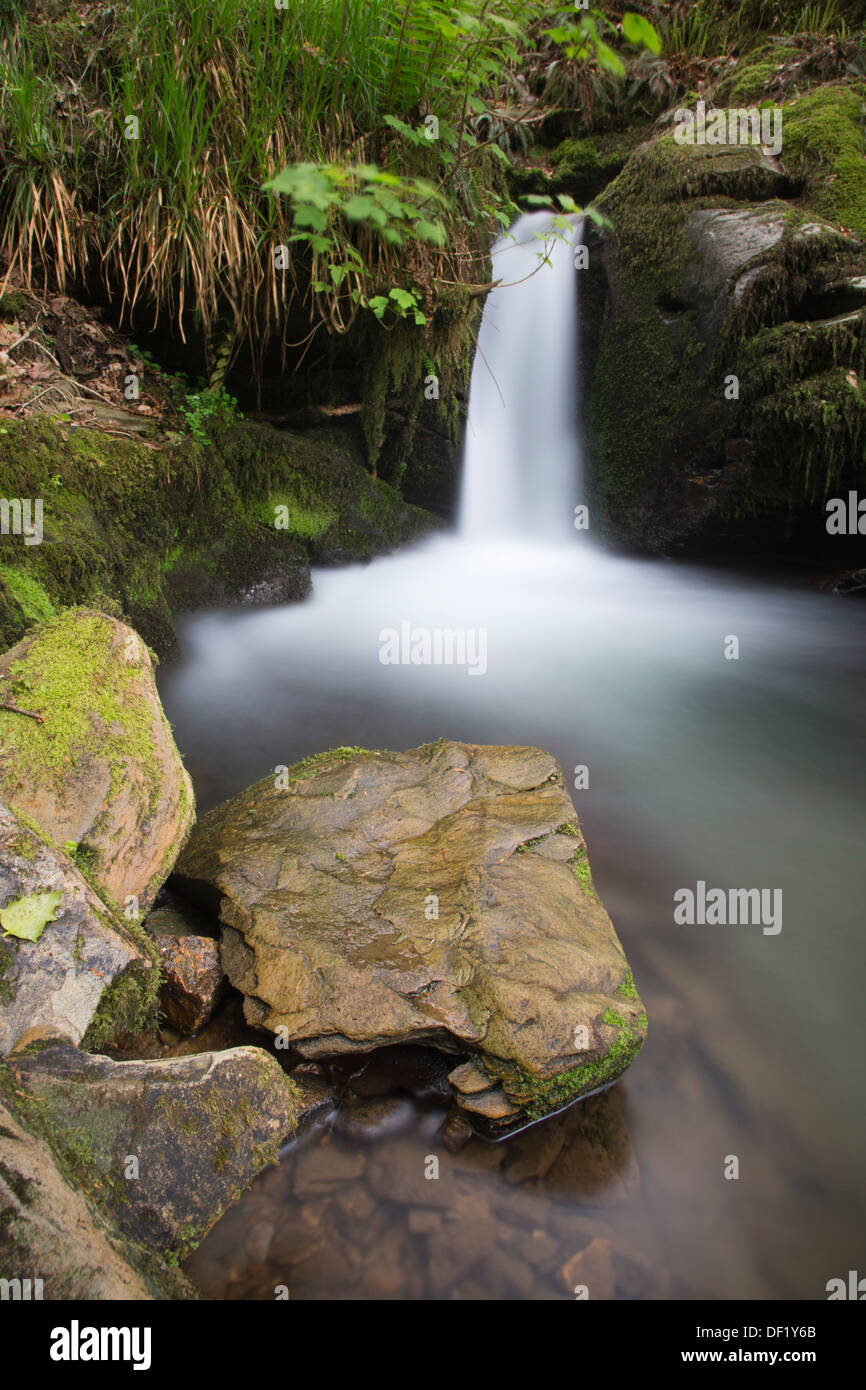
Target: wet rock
{"x":716,"y":341}
{"x":532,"y":1155}
{"x":590,"y":1270}
{"x":539,"y":1248}
{"x":367,"y":1121}
{"x":101,"y":771}
{"x":596,"y":1164}
{"x":52,"y":987}
{"x":324,"y":891}
{"x":455,"y":1249}
{"x":192,"y":976}
{"x":424,"y":1221}
{"x":398,"y":1174}
{"x":165,"y":1145}
{"x":456,"y":1132}
{"x":322,"y":1168}
{"x":51,"y":1232}
{"x":317,"y":1098}
{"x":491,"y":1105}
{"x":357,"y":1204}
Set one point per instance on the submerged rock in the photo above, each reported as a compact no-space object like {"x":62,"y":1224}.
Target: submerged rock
{"x":53,"y":987}
{"x":165,"y":1146}
{"x":440,"y":895}
{"x":100,"y":772}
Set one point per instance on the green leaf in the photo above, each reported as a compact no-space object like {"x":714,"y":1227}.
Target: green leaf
{"x":27,"y":917}
{"x":405,"y":298}
{"x":639,"y":31}
{"x":378,"y":304}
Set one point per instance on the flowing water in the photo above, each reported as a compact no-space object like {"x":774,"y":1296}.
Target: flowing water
{"x":742,"y":773}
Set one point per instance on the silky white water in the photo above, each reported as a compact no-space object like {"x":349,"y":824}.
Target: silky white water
{"x":521,"y":468}
{"x":741,"y":773}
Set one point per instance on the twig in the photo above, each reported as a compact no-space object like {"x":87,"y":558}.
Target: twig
{"x":31,"y":714}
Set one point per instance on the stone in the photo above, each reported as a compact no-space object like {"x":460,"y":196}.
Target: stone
{"x":456,"y":1132}
{"x":423,"y":1221}
{"x":101,"y":770}
{"x":591,"y":1269}
{"x":192,"y":975}
{"x":720,"y":313}
{"x":596,"y":1164}
{"x":166,"y":1146}
{"x":50,"y":1231}
{"x":324,"y":1168}
{"x":368,"y":1121}
{"x":323,"y":892}
{"x":491,"y":1105}
{"x":317,"y":1098}
{"x":52,"y":987}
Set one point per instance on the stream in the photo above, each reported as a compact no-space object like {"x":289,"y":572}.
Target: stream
{"x":741,"y":773}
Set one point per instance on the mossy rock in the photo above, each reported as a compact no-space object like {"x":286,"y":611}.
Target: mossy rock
{"x":715,"y":274}
{"x":51,"y":1230}
{"x":144,"y":531}
{"x":163,"y":1147}
{"x":85,"y":959}
{"x":98,"y":769}
{"x":825,"y":145}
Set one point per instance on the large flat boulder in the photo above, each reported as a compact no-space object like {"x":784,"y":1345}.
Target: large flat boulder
{"x":53,"y":987}
{"x":440,"y":895}
{"x":165,"y":1146}
{"x":99,"y":769}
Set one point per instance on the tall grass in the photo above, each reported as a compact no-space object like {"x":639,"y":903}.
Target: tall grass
{"x":226,"y":94}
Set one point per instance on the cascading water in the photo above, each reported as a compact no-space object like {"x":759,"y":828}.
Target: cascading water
{"x":743,"y":774}
{"x":521,"y":462}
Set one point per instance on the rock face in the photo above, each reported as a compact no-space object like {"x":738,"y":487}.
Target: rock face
{"x":724,"y":345}
{"x":438,"y":895}
{"x":50,"y":1232}
{"x":192,"y":976}
{"x":101,"y":770}
{"x":167,"y":1145}
{"x":53,"y":986}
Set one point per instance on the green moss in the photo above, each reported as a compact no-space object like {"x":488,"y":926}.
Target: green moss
{"x":8,"y":951}
{"x":124,"y":524}
{"x":25,"y":594}
{"x":825,"y":143}
{"x":627,"y":987}
{"x":541,"y":1097}
{"x":130,"y":1005}
{"x":581,"y":870}
{"x":90,"y":704}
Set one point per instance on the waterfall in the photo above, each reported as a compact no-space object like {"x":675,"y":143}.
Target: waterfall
{"x":521,"y":468}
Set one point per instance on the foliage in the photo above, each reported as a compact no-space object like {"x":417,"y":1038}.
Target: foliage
{"x":174,"y":145}
{"x":27,"y":917}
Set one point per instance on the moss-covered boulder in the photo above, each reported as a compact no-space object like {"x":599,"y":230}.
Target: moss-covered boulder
{"x":145,"y":529}
{"x":440,"y":895}
{"x":724,"y":341}
{"x":97,"y":769}
{"x":51,"y":1232}
{"x":85,"y":957}
{"x":164,"y":1147}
